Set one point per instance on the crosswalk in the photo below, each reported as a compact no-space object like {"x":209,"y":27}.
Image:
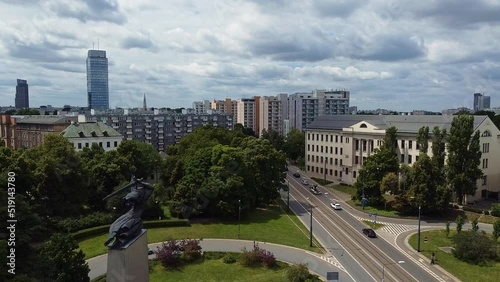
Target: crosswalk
{"x":332,"y":260}
{"x":393,"y":228}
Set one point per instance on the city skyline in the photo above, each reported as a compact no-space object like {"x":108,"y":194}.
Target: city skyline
{"x":403,"y":56}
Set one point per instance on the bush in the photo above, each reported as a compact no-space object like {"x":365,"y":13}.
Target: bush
{"x":495,"y":210}
{"x":249,"y":258}
{"x":268,"y":259}
{"x":168,"y":253}
{"x":298,"y":273}
{"x":474,"y":247}
{"x":191,"y":250}
{"x":229,"y":258}
{"x":213,"y":255}
{"x":91,"y":220}
{"x":471,"y":209}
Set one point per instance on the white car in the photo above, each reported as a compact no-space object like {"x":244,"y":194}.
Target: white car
{"x":336,"y":206}
{"x":305,"y":182}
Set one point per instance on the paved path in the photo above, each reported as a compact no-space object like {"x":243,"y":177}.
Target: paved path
{"x":317,"y":263}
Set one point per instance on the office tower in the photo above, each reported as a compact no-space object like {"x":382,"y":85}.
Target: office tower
{"x":97,"y":80}
{"x":22,"y":94}
{"x":481,"y":102}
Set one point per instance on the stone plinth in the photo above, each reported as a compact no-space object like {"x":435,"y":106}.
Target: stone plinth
{"x":130,"y":262}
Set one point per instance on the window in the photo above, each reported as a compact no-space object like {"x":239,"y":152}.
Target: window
{"x":317,"y":136}
{"x":308,"y":168}
{"x":336,"y":138}
{"x":363,"y":126}
{"x":336,"y":161}
{"x":316,"y":169}
{"x":418,"y":146}
{"x":410,"y":144}
{"x":336,"y":173}
{"x":364,"y":159}
{"x":79,"y":145}
{"x":317,"y":148}
{"x":347,"y":140}
{"x":308,"y":158}
{"x":409,"y":158}
{"x":403,"y":159}
{"x":485,"y":163}
{"x":416,"y":157}
{"x":486,"y":133}
{"x":340,"y":162}
{"x":402,"y":144}
{"x":340,"y":173}
{"x":485,"y":180}
{"x":312,"y":137}
{"x":331,"y":171}
{"x":356,"y":160}
{"x":108,"y":144}
{"x":321,"y":149}
{"x":308,"y":147}
{"x":341,"y":139}
{"x":116,"y":143}
{"x":353,"y":174}
{"x":346,"y":171}
{"x":331,"y":150}
{"x":356,"y":145}
{"x":331,"y":138}
{"x":364,"y":145}
{"x":317,"y":158}
{"x":321,"y":170}
{"x":308,"y":136}
{"x":341,"y":151}
{"x":87,"y":145}
{"x":486,"y":147}
{"x":321,"y":137}
{"x":336,"y":150}
{"x":321,"y":159}
{"x":100,"y":144}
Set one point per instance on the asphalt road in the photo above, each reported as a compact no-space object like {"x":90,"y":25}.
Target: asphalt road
{"x":376,"y":257}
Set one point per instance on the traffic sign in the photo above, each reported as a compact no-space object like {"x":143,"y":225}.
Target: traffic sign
{"x":330,"y":276}
{"x":426,"y":239}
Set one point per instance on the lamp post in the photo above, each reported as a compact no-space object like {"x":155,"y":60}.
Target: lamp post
{"x":418,"y":245}
{"x":311,"y":228}
{"x":383,"y":267}
{"x":239,"y":217}
{"x":324,"y":178}
{"x":288,"y":197}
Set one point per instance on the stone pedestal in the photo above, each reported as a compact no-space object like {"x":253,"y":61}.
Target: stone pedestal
{"x":130,"y":262}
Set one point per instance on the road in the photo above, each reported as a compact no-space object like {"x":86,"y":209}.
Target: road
{"x":376,"y":258}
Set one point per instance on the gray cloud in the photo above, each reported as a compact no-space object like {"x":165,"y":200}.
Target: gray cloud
{"x":336,"y":8}
{"x":91,"y":10}
{"x":392,"y":48}
{"x":141,"y":42}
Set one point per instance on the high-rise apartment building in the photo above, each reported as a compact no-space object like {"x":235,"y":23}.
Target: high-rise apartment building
{"x":270,"y":114}
{"x":22,"y":94}
{"x":481,"y":102}
{"x":304,"y":108}
{"x":97,"y":80}
{"x":201,"y":107}
{"x":246,"y":113}
{"x":226,"y":106}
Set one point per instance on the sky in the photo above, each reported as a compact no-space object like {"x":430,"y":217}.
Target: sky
{"x":399,"y":55}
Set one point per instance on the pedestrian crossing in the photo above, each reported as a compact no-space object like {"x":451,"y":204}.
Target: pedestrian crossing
{"x":392,"y":228}
{"x":332,"y":260}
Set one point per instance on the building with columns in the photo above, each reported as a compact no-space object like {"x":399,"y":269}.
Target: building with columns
{"x":337,"y":146}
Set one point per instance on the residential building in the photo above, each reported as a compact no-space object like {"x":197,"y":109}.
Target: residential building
{"x":83,"y":134}
{"x":159,"y":129}
{"x":201,"y":107}
{"x":246,"y":113}
{"x":481,"y":102}
{"x":8,"y":131}
{"x":304,"y":108}
{"x":97,"y":80}
{"x":337,"y":146}
{"x":30,"y":130}
{"x":270,"y":114}
{"x":22,"y":99}
{"x":451,"y":112}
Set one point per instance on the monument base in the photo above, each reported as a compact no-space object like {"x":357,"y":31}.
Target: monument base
{"x":130,"y":262}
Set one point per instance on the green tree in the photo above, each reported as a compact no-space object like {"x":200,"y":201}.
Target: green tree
{"x":28,"y":112}
{"x":460,"y":221}
{"x":423,"y":139}
{"x":61,"y":260}
{"x":143,"y":158}
{"x":474,"y":247}
{"x":274,"y":137}
{"x":496,"y":121}
{"x":389,"y":183}
{"x":10,"y":112}
{"x":447,"y":229}
{"x":490,"y":114}
{"x":294,"y":145}
{"x":423,"y":188}
{"x":496,"y":229}
{"x":464,"y":157}
{"x":474,"y":224}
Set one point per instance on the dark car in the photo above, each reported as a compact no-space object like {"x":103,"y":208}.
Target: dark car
{"x":296,"y":174}
{"x":369,"y":232}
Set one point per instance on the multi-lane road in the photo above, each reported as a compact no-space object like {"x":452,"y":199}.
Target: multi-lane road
{"x":363,"y":258}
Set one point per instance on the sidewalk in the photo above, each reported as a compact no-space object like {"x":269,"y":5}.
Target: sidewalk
{"x":316,"y":263}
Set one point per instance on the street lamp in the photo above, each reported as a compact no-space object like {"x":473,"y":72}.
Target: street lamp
{"x":239,"y":217}
{"x":418,"y":245}
{"x":383,"y":267}
{"x":311,"y":225}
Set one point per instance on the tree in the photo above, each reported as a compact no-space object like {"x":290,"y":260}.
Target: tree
{"x":60,"y":260}
{"x":490,"y":114}
{"x":474,"y":224}
{"x":464,"y":157}
{"x":460,"y":221}
{"x":496,"y":120}
{"x":447,"y":229}
{"x":294,"y":145}
{"x":144,"y":160}
{"x":274,"y":137}
{"x":10,"y":112}
{"x":474,"y":247}
{"x":496,"y":229}
{"x":28,"y":112}
{"x":389,"y":183}
{"x":423,"y":139}
{"x":423,"y":188}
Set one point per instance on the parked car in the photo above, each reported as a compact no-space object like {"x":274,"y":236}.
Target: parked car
{"x":335,"y":206}
{"x":296,"y":175}
{"x":369,"y":232}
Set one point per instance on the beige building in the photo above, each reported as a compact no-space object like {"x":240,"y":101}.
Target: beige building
{"x":30,"y":130}
{"x":270,"y":114}
{"x":337,"y":146}
{"x":246,"y":114}
{"x":226,"y":106}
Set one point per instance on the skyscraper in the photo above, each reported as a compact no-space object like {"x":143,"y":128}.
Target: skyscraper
{"x":97,"y":80}
{"x":22,"y":94}
{"x":481,"y":102}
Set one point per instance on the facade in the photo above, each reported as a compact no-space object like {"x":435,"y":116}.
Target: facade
{"x":270,"y":114}
{"x":226,"y":106}
{"x":304,"y":108}
{"x":97,"y":80}
{"x":30,"y":130}
{"x":481,"y":102}
{"x":22,"y":94}
{"x":337,"y":146}
{"x":246,"y":113}
{"x":159,"y":129}
{"x":201,"y":107}
{"x":83,"y":134}
{"x":8,"y":131}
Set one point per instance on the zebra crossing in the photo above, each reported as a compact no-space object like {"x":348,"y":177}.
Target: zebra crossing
{"x":332,"y":260}
{"x":392,"y":228}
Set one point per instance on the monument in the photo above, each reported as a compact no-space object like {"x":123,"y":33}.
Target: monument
{"x":127,"y":243}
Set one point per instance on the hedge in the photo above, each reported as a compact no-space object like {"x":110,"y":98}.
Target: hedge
{"x":471,"y":209}
{"x":99,"y":230}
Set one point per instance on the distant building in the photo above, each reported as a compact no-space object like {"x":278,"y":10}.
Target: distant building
{"x":201,"y":107}
{"x":481,"y":102}
{"x":97,"y":80}
{"x":8,"y":131}
{"x":338,"y":146}
{"x":270,"y":114}
{"x":454,"y":111}
{"x":246,"y":115}
{"x":83,"y":134}
{"x":30,"y":130}
{"x":22,"y":94}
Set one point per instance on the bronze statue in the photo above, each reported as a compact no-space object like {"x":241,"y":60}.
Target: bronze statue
{"x":129,"y":225}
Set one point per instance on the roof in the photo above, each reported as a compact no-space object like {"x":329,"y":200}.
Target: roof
{"x":89,"y":130}
{"x":404,"y":124}
{"x":41,"y":119}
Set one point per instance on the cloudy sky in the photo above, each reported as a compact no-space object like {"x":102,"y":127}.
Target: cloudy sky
{"x":400,"y":55}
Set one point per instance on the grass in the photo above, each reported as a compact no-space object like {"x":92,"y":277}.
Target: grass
{"x":462,"y":270}
{"x":373,"y":210}
{"x":321,"y":182}
{"x":372,"y":225}
{"x":488,"y":219}
{"x":266,"y":225}
{"x":343,"y":188}
{"x":217,"y":270}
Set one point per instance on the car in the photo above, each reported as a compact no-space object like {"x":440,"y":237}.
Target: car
{"x":296,"y":175}
{"x":314,"y":190}
{"x":305,"y":182}
{"x":369,"y":232}
{"x":335,"y":206}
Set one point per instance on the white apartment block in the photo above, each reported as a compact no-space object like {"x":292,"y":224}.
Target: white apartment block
{"x":304,"y":108}
{"x":246,"y":113}
{"x":201,"y":107}
{"x":270,"y":114}
{"x":337,"y":146}
{"x":83,"y":134}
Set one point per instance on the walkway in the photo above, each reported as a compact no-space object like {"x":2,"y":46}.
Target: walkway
{"x":316,"y":263}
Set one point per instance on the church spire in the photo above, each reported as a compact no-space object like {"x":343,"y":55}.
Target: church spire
{"x":144,"y":105}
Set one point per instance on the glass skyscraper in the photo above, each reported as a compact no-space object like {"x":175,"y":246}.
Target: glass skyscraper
{"x":97,"y":80}
{"x":22,"y":94}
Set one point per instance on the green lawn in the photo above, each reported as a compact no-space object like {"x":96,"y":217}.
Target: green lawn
{"x":371,"y":225}
{"x":321,"y":182}
{"x":216,"y":270}
{"x":368,"y":209}
{"x":343,"y":188}
{"x":461,"y":270}
{"x":267,"y":225}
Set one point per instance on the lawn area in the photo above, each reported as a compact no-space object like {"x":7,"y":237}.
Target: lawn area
{"x":266,"y":225}
{"x":371,"y":225}
{"x":343,"y":188}
{"x":321,"y":182}
{"x":488,"y":219}
{"x":373,"y":210}
{"x":462,"y":270}
{"x":217,"y":270}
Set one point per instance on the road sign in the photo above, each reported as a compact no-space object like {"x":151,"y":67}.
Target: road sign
{"x":370,"y":215}
{"x":426,"y":240}
{"x":330,"y":276}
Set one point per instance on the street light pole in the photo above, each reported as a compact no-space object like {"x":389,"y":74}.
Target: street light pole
{"x":288,"y":197}
{"x":418,"y":246}
{"x":239,"y":217}
{"x":311,"y":228}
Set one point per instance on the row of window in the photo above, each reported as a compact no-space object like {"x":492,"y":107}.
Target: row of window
{"x":331,"y":172}
{"x":320,"y":149}
{"x":87,"y":145}
{"x":324,"y":138}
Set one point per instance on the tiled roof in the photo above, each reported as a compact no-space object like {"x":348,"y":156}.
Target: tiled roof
{"x":41,"y":119}
{"x":89,"y":129}
{"x":404,"y":124}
